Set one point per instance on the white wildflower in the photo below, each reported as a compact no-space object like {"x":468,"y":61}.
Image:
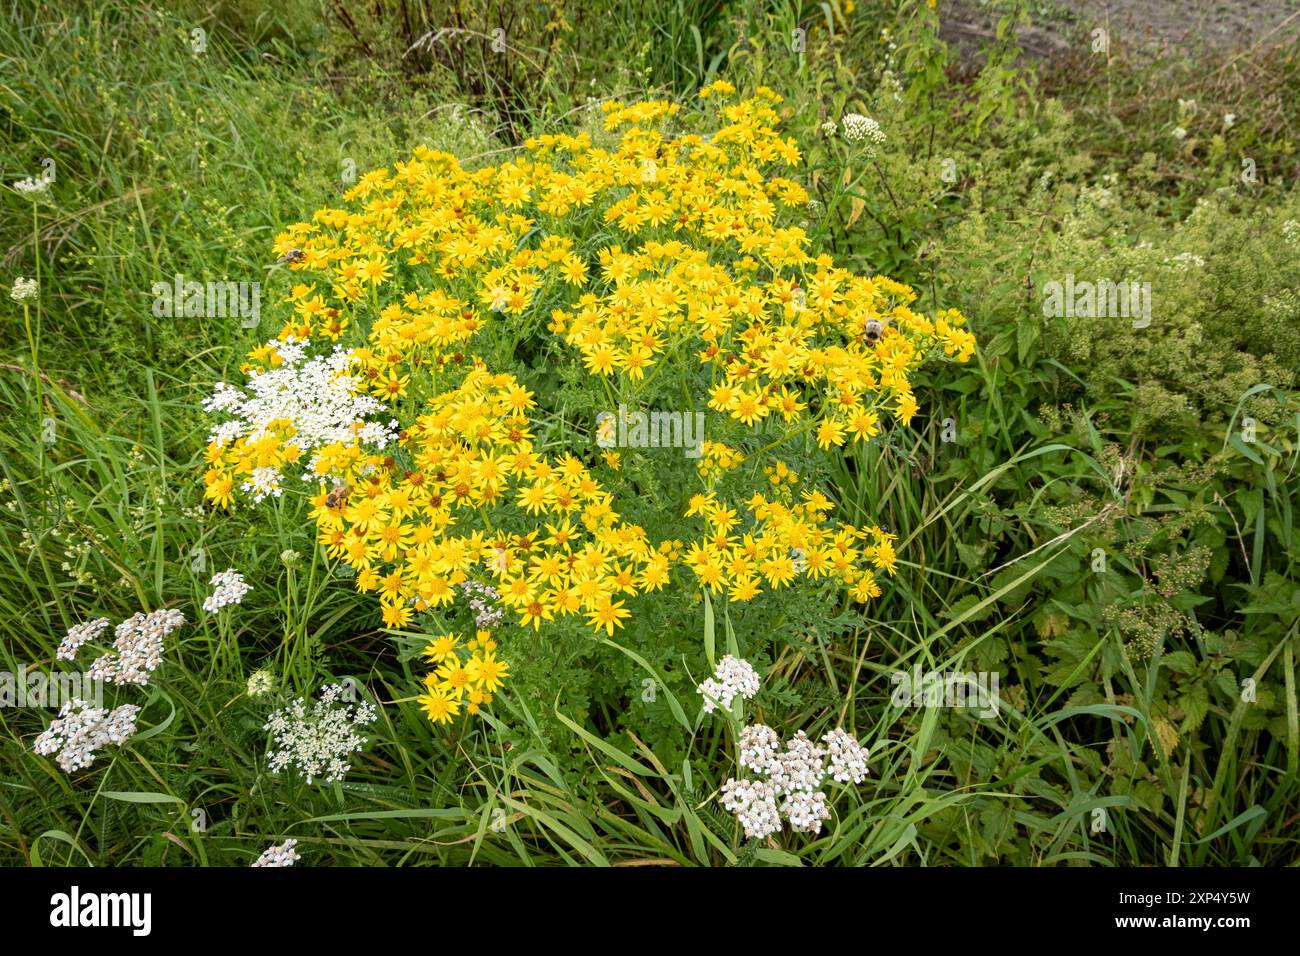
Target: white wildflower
{"x":857,"y":128}
{"x":23,"y":289}
{"x":319,"y":397}
{"x":1229,"y":119}
{"x":759,"y":745}
{"x":806,"y":809}
{"x":81,"y":731}
{"x":318,"y":742}
{"x":78,"y":635}
{"x":794,"y":775}
{"x":263,"y":482}
{"x":259,"y":683}
{"x":800,"y":767}
{"x":137,"y":647}
{"x":1185,"y":261}
{"x":734,"y":677}
{"x":1180,"y":133}
{"x":229,"y":589}
{"x":754,"y":804}
{"x":32,"y":186}
{"x":848,"y":758}
{"x":484,"y":601}
{"x":282,"y":854}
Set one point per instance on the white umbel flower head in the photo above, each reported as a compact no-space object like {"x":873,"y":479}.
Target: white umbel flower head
{"x":23,"y":289}
{"x":754,"y":804}
{"x":137,"y":647}
{"x":806,"y":809}
{"x":800,"y":767}
{"x":80,"y":634}
{"x":857,"y":128}
{"x":794,"y":774}
{"x":230,"y":589}
{"x":759,"y":745}
{"x":32,"y":186}
{"x":282,"y":854}
{"x":484,"y":601}
{"x":259,"y":683}
{"x":734,"y":677}
{"x":81,"y":731}
{"x":319,"y":397}
{"x":848,"y":758}
{"x":318,"y":742}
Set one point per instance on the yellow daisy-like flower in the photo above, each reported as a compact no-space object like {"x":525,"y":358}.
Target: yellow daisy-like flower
{"x":441,"y":648}
{"x":440,"y":706}
{"x":488,"y":673}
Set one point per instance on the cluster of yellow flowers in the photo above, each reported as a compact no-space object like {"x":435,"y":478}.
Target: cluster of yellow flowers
{"x":782,"y":542}
{"x":473,"y":468}
{"x":468,"y":673}
{"x":428,"y":255}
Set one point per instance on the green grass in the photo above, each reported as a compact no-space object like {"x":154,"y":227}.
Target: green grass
{"x":170,"y":161}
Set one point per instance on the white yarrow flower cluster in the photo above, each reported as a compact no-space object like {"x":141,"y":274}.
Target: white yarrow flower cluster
{"x":759,"y":745}
{"x":23,"y":289}
{"x":847,"y":757}
{"x":734,"y":677}
{"x":754,"y":804}
{"x":230,"y":588}
{"x":805,"y":809}
{"x":1186,"y":261}
{"x":137,"y":647}
{"x":794,"y":776}
{"x":800,"y":767}
{"x":857,"y":128}
{"x":318,"y":396}
{"x":318,"y":742}
{"x":81,"y":731}
{"x":80,"y":634}
{"x":282,"y":854}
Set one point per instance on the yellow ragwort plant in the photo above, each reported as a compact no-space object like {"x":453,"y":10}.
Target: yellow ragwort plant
{"x":663,"y":247}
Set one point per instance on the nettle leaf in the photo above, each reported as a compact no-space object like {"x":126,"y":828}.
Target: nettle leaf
{"x":1227,"y":684}
{"x":1276,"y":595}
{"x":971,"y":555}
{"x":1195,"y":704}
{"x":1180,"y":662}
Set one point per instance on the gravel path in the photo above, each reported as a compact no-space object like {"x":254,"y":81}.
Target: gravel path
{"x":1186,"y":24}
